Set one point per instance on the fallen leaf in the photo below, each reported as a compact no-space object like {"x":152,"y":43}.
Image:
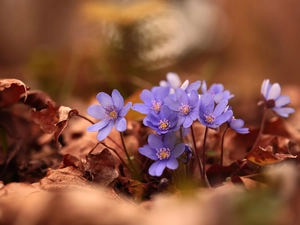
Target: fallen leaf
{"x":46,"y":118}
{"x":37,"y":99}
{"x":261,"y":156}
{"x":100,"y":167}
{"x":53,"y":119}
{"x":71,"y":160}
{"x":265,"y":156}
{"x":10,"y":92}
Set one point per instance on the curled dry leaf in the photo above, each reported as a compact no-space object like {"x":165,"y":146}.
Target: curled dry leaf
{"x":37,"y":99}
{"x":53,"y":119}
{"x":265,"y":156}
{"x":10,"y":92}
{"x":262,"y":156}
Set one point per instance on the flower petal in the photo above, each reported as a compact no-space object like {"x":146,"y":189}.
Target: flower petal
{"x":164,"y":112}
{"x":117,"y":99}
{"x":282,"y":100}
{"x":104,"y":132}
{"x":169,"y":140}
{"x":155,"y":142}
{"x":194,"y":114}
{"x":187,"y":122}
{"x":181,"y":96}
{"x":121,"y":124}
{"x":177,"y":150}
{"x":218,"y":97}
{"x":172,"y":104}
{"x":97,"y":112}
{"x":97,"y":126}
{"x":206,"y":104}
{"x":157,"y":168}
{"x":220,"y":107}
{"x":184,"y":85}
{"x":148,"y":152}
{"x":104,"y":99}
{"x":147,"y":96}
{"x":216,"y":88}
{"x":193,"y":86}
{"x":243,"y":130}
{"x":141,"y":108}
{"x":125,"y":109}
{"x":181,"y":120}
{"x":223,"y":118}
{"x":204,"y":87}
{"x":265,"y":88}
{"x":174,"y":80}
{"x":284,"y":112}
{"x":235,"y":124}
{"x":274,"y":92}
{"x":194,"y":99}
{"x":160,"y":93}
{"x":172,"y":163}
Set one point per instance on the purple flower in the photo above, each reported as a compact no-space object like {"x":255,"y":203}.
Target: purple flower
{"x":213,"y":116}
{"x":163,"y":151}
{"x":186,"y":106}
{"x":111,"y":111}
{"x":162,"y":122}
{"x":153,"y":100}
{"x":273,"y":100}
{"x":237,"y":125}
{"x":217,"y":91}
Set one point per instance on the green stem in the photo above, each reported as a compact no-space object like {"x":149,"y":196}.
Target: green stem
{"x":128,"y":157}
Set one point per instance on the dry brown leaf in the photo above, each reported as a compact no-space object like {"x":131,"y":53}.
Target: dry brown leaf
{"x":262,"y":156}
{"x":265,"y":156}
{"x":100,"y":167}
{"x":10,"y":92}
{"x":46,"y":118}
{"x":68,"y":177}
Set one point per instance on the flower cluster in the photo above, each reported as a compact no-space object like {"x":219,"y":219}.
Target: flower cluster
{"x":174,"y":105}
{"x":170,"y":110}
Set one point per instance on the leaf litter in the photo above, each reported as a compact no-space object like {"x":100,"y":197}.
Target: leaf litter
{"x":70,"y":168}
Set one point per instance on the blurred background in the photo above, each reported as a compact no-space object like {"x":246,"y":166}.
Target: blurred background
{"x":73,"y":49}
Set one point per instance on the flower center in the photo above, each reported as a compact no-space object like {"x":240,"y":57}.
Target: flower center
{"x":270,"y":103}
{"x":164,"y":124}
{"x":210,"y":118}
{"x":163,"y":153}
{"x":156,"y":105}
{"x":184,"y":109}
{"x":111,"y":113}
